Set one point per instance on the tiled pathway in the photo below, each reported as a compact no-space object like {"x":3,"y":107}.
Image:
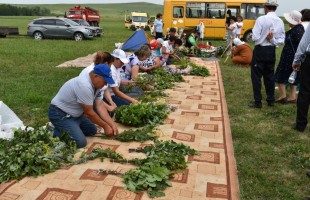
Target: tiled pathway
{"x":200,"y":121}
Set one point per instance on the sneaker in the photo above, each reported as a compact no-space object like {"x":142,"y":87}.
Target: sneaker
{"x":49,"y":126}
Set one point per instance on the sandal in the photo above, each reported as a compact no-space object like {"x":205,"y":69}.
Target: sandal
{"x":293,"y":101}
{"x":282,"y":100}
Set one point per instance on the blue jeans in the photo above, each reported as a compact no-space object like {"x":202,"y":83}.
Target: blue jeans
{"x":77,"y":127}
{"x":119,"y":101}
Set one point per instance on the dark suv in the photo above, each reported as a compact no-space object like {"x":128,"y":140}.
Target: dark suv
{"x":54,"y":27}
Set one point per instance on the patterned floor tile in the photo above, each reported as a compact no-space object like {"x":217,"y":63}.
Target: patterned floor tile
{"x":181,"y":177}
{"x":92,"y":174}
{"x":101,"y":146}
{"x":206,"y":156}
{"x":207,"y":127}
{"x":119,"y":193}
{"x":57,"y":193}
{"x":6,"y":185}
{"x":183,"y":136}
{"x":217,"y":190}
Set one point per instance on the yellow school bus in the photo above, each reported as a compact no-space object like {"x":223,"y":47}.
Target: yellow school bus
{"x":187,"y":14}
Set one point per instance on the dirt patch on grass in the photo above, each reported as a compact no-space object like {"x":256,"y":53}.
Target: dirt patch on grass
{"x":79,"y":62}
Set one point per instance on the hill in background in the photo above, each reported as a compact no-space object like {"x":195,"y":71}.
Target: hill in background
{"x":106,"y":10}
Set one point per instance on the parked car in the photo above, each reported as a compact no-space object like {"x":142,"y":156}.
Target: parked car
{"x":54,"y":27}
{"x":83,"y":22}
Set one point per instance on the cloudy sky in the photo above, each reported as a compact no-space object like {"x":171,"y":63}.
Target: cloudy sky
{"x":285,"y":5}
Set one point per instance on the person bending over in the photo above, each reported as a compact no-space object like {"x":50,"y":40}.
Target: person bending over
{"x":72,"y":109}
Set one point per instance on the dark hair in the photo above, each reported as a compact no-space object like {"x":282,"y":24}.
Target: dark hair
{"x":103,"y":57}
{"x":158,"y":15}
{"x":273,"y":8}
{"x":173,"y":30}
{"x":233,"y":18}
{"x":305,"y":15}
{"x":172,"y":38}
{"x":196,"y":32}
{"x":178,"y":42}
{"x":240,"y":17}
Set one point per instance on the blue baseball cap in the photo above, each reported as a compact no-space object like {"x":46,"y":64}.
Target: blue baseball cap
{"x":104,"y":71}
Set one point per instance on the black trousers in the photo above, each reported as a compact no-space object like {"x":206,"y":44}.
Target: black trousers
{"x":303,"y":99}
{"x":262,"y":65}
{"x":159,"y":35}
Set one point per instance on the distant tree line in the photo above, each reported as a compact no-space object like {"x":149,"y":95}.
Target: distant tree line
{"x":9,"y":10}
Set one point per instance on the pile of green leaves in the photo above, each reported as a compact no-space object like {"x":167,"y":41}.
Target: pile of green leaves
{"x":136,"y":135}
{"x":150,"y":178}
{"x":152,"y":96}
{"x":98,"y":153}
{"x":196,"y":70}
{"x":33,"y":153}
{"x":168,"y":154}
{"x":163,"y":159}
{"x":138,"y":115}
{"x":158,"y":79}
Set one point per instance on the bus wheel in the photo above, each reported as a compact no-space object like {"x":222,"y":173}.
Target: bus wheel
{"x":247,"y":37}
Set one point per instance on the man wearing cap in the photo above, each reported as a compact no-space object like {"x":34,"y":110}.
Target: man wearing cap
{"x":118,"y":96}
{"x":71,"y":110}
{"x":268,"y":32}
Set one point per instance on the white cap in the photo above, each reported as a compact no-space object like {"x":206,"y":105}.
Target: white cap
{"x":294,"y":17}
{"x":120,"y":54}
{"x":160,"y":40}
{"x":238,"y":42}
{"x":271,"y":3}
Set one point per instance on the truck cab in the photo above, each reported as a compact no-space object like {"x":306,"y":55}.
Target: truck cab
{"x":137,"y":20}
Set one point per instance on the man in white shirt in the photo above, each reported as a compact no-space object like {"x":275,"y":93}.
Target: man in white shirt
{"x":268,"y":32}
{"x":72,"y":109}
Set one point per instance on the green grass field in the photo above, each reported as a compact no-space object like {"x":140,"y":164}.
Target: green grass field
{"x":271,"y":158}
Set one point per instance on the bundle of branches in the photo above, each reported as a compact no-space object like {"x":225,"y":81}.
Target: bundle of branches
{"x":33,"y":153}
{"x":138,"y":115}
{"x":163,"y":160}
{"x":196,"y":70}
{"x":158,"y":79}
{"x":136,"y":135}
{"x":153,"y":96}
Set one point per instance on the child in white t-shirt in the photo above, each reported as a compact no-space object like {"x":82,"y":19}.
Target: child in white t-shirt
{"x":239,"y":24}
{"x":231,"y":31}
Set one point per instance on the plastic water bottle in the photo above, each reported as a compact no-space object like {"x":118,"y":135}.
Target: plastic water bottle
{"x":292,"y":77}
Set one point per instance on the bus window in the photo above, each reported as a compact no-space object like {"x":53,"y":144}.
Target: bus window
{"x":178,"y":12}
{"x":216,"y":10}
{"x":235,"y":11}
{"x":195,"y":10}
{"x":252,"y":11}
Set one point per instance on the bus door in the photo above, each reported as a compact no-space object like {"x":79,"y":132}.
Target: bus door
{"x":211,"y":14}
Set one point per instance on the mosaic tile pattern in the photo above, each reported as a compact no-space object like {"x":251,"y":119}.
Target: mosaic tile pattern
{"x":56,"y":193}
{"x":201,"y":121}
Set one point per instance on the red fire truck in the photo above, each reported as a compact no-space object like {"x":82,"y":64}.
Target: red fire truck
{"x":89,"y":14}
